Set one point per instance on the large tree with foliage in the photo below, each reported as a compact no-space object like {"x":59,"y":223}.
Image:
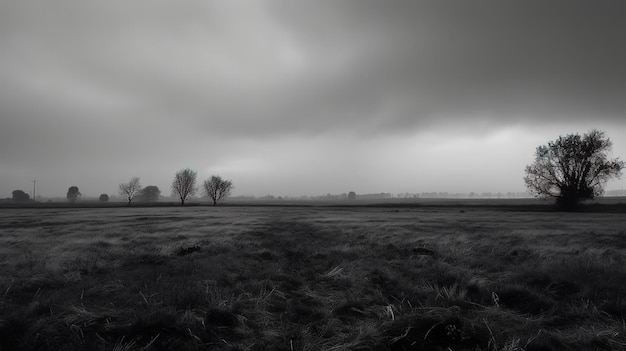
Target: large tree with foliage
{"x":184,"y":184}
{"x":73,"y":193}
{"x":130,"y":189}
{"x":572,"y":168}
{"x":20,"y":195}
{"x":217,"y":188}
{"x":150,"y":193}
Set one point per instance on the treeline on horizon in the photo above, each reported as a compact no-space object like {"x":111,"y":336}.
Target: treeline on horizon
{"x":326,"y":197}
{"x":571,"y":170}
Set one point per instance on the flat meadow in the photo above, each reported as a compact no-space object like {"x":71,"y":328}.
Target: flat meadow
{"x":311,"y":278}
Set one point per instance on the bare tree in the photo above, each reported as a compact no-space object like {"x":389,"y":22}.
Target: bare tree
{"x":130,"y":189}
{"x":217,"y":189}
{"x":572,"y":168}
{"x":184,"y":184}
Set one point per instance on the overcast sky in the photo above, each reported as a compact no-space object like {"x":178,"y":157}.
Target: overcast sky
{"x":292,"y":97}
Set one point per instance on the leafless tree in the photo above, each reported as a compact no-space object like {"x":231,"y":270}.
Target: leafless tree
{"x":217,"y":189}
{"x":572,"y":168}
{"x":184,"y":184}
{"x":130,"y":189}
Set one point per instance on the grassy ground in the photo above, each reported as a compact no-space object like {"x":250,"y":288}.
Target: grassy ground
{"x":311,"y":278}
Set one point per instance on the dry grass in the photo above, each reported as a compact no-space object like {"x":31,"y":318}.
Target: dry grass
{"x":316,"y":278}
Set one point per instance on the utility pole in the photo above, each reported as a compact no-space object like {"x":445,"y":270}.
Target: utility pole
{"x":34,"y":182}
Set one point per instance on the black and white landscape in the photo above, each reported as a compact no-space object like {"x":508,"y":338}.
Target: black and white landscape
{"x":312,"y":175}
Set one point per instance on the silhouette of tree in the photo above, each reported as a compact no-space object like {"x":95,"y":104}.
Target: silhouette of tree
{"x":217,"y":189}
{"x":103,"y":198}
{"x":130,"y":189}
{"x":150,"y":193}
{"x":184,"y":184}
{"x":73,"y":193}
{"x":20,"y":195}
{"x":572,"y":168}
{"x":352,"y":195}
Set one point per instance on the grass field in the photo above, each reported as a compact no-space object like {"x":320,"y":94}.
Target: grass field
{"x":311,"y":278}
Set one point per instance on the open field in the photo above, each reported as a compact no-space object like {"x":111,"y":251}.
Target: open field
{"x":600,"y":204}
{"x":311,"y":278}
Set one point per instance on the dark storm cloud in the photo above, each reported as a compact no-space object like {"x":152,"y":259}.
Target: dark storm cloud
{"x":375,"y":68}
{"x":366,"y":66}
{"x":450,"y":60}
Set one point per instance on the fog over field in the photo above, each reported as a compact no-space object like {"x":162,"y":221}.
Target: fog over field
{"x":302,"y":98}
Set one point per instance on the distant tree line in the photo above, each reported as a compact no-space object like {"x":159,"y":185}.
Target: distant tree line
{"x":571,"y":169}
{"x":183,"y":187}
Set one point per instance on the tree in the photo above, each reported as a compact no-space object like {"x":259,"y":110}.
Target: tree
{"x":73,"y":193}
{"x":103,"y":198}
{"x":184,"y":184}
{"x":352,"y":195}
{"x":130,"y":189}
{"x":217,"y":189}
{"x":572,"y":168}
{"x":20,"y":195}
{"x":150,"y":193}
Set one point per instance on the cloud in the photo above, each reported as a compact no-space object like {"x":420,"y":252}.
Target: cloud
{"x":440,"y":61}
{"x":279,"y":67}
{"x":116,"y":81}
